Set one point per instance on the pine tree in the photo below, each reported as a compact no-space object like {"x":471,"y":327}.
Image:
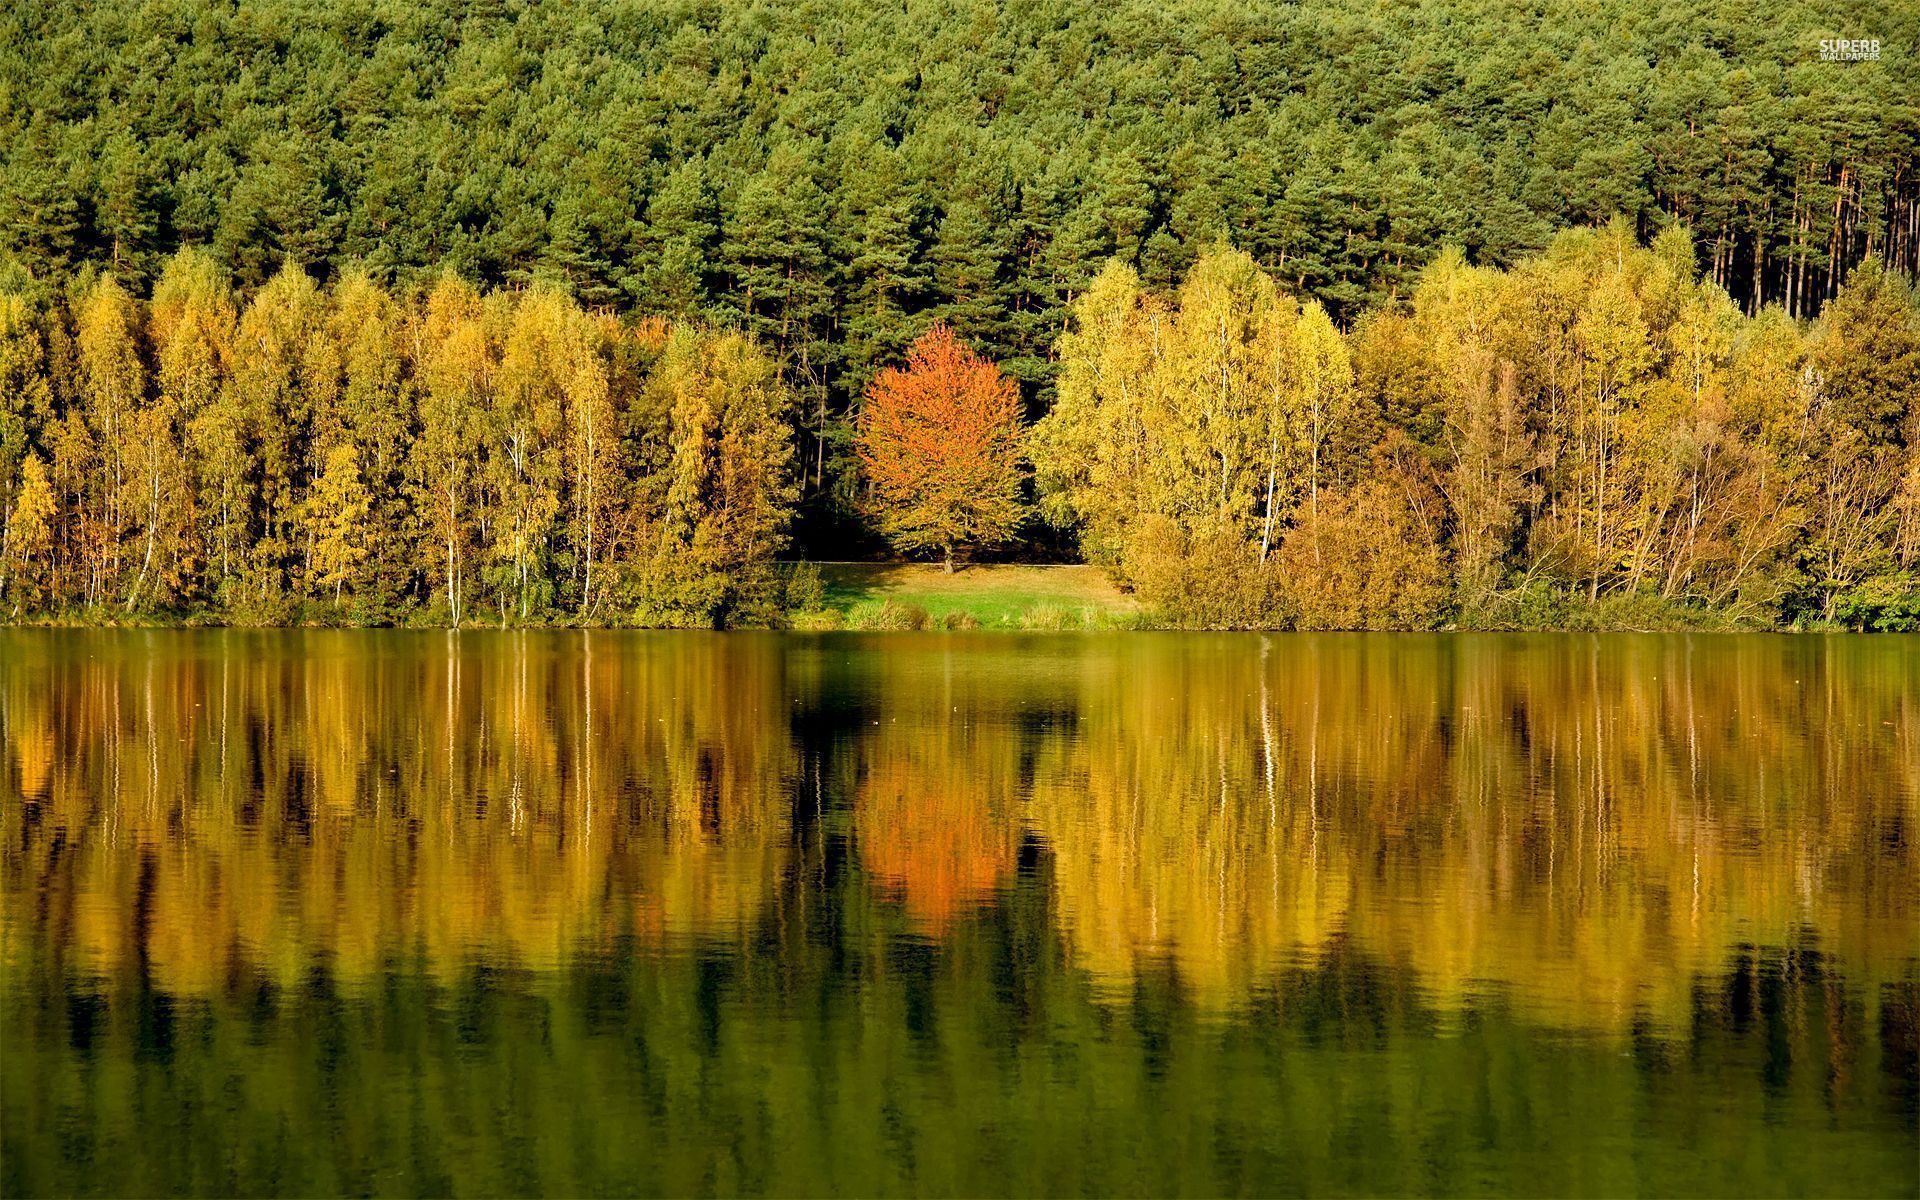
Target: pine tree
{"x":968,"y":256}
{"x":124,"y":208}
{"x":40,"y":196}
{"x":675,"y":245}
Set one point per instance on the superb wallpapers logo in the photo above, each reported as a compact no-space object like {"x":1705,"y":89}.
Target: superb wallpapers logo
{"x":1849,"y":49}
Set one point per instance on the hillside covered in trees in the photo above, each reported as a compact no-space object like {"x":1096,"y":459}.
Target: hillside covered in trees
{"x":518,"y":312}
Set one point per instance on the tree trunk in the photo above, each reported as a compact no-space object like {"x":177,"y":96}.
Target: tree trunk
{"x":153,"y":519}
{"x":1266,"y":523}
{"x":586,"y":587}
{"x":453,"y":584}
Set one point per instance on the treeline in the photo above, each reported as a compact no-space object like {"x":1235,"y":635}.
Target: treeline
{"x":1596,"y":435}
{"x":830,"y":176}
{"x":505,"y":457}
{"x":1598,"y":427}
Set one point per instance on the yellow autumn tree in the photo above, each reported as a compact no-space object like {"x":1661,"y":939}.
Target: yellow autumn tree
{"x":114,"y":382}
{"x":270,"y":414}
{"x":336,"y":514}
{"x":457,"y":366}
{"x":28,"y":540}
{"x":593,"y":460}
{"x":1190,"y":430}
{"x":524,"y":464}
{"x":730,"y":489}
{"x":26,"y":394}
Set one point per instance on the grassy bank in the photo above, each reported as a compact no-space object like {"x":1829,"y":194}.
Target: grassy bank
{"x":918,"y":596}
{"x":907,"y":596}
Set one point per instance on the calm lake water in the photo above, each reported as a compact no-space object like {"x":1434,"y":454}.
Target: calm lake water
{"x":575,"y":913}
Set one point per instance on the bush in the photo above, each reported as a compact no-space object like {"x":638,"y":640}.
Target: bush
{"x":1130,"y":620}
{"x":886,"y":616}
{"x":1882,"y":604}
{"x":1542,"y":606}
{"x":1050,"y":617}
{"x":959,"y":621}
{"x":801,"y":587}
{"x":1640,"y":612}
{"x":1536,"y":605}
{"x":702,"y":587}
{"x":1365,"y":561}
{"x":275,"y":609}
{"x":814,"y":620}
{"x":1207,"y":578}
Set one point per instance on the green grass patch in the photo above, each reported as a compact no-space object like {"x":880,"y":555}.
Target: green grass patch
{"x":912,"y":596}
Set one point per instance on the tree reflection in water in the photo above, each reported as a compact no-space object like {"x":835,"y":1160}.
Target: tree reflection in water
{"x":580,"y":912}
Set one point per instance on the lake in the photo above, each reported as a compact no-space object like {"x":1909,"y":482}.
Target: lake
{"x":312,"y":912}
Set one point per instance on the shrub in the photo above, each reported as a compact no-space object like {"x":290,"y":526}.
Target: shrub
{"x":1207,"y":578}
{"x":1051,"y":617}
{"x":249,"y":609}
{"x":1882,"y":604}
{"x":1130,"y":620}
{"x":1541,"y":605}
{"x":1535,"y":605}
{"x":886,"y":615}
{"x":802,"y":589}
{"x":1365,"y":561}
{"x":1643,"y":612}
{"x":814,"y":620}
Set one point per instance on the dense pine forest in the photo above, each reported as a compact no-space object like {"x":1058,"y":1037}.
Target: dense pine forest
{"x":1314,"y":315}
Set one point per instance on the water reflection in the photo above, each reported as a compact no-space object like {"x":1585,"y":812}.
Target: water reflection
{"x":863,"y":914}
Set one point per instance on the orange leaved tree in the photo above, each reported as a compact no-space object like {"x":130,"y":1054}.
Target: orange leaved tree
{"x":940,"y":442}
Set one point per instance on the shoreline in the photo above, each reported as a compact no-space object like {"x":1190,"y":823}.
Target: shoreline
{"x":906,"y":597}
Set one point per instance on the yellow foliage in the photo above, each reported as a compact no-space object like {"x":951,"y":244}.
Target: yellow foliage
{"x":1363,"y":560}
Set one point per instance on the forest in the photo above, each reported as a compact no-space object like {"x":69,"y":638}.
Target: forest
{"x":1401,"y":316}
